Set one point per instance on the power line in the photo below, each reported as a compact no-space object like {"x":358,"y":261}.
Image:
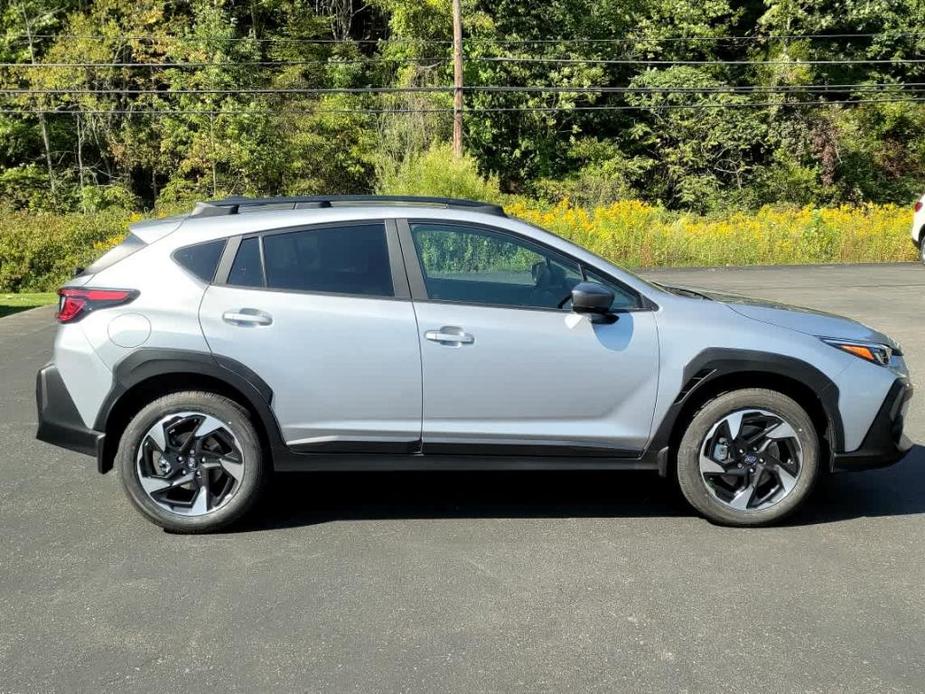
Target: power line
{"x":256,"y":90}
{"x":748,"y":37}
{"x":718,"y":89}
{"x":489,"y":59}
{"x":478,"y":39}
{"x":332,"y":61}
{"x":489,"y":109}
{"x":642,"y":61}
{"x":249,"y":39}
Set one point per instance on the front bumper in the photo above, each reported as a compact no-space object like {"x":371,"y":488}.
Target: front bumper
{"x":885,"y":442}
{"x":59,"y":422}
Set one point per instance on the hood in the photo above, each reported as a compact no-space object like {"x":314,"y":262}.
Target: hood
{"x":804,"y":320}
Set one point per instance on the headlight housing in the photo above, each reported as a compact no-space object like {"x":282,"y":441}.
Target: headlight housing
{"x":875,"y":353}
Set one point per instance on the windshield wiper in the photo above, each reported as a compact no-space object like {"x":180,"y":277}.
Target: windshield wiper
{"x":683,"y":291}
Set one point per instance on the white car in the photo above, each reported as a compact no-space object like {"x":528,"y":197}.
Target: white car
{"x":918,"y":227}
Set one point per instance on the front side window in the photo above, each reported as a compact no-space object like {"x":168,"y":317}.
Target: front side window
{"x":623,"y":297}
{"x":475,"y":265}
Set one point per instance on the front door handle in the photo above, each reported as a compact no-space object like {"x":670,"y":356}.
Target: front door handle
{"x":449,"y":335}
{"x":247,"y":316}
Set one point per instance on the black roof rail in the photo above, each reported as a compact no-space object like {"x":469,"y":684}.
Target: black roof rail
{"x":235,"y":205}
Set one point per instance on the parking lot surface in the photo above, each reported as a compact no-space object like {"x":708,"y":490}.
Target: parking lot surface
{"x":469,"y":581}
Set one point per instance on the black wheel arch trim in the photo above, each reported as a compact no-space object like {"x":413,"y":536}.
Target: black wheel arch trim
{"x":717,"y":362}
{"x":147,"y":363}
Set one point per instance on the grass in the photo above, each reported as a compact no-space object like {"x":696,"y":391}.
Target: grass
{"x":13,"y":303}
{"x":639,"y":235}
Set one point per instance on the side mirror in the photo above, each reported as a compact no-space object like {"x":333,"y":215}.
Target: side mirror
{"x":593,"y":299}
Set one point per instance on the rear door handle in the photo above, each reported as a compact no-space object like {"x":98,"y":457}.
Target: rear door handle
{"x":450,"y":335}
{"x":247,"y":316}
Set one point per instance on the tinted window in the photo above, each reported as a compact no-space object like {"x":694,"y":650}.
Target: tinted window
{"x":352,"y":259}
{"x":478,"y":266}
{"x":246,"y":270}
{"x":623,"y":297}
{"x":201,"y":259}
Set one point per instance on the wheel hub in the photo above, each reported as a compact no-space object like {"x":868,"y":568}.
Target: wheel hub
{"x":751,"y":459}
{"x":190,"y":463}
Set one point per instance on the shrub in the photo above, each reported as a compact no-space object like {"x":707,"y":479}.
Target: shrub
{"x":40,"y":250}
{"x":437,"y":172}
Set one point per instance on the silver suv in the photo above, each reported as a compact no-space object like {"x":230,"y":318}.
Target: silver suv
{"x":369,"y":333}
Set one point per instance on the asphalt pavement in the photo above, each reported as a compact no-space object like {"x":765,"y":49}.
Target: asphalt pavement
{"x":469,"y":582}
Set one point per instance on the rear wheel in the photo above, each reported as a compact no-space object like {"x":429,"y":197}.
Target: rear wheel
{"x":748,"y":457}
{"x":191,"y":462}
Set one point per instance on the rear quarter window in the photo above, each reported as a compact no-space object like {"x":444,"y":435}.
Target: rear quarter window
{"x":201,"y":259}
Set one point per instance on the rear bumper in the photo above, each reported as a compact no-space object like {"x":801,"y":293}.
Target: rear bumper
{"x":59,"y":422}
{"x":885,"y":442}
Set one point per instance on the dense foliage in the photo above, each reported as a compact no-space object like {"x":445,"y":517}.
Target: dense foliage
{"x":158,"y":101}
{"x":39,"y":251}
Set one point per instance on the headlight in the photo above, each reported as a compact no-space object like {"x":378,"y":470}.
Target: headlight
{"x":868,"y":351}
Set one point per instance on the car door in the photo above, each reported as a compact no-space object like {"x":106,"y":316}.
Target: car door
{"x":508,"y":368}
{"x":323,"y":315}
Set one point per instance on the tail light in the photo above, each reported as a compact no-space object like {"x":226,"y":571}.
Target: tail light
{"x":918,"y":205}
{"x":75,"y":303}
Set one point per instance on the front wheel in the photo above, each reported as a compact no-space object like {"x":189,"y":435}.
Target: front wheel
{"x":191,"y":462}
{"x":748,"y":457}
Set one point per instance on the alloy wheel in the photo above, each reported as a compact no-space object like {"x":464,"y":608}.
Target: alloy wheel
{"x":751,"y":459}
{"x":190,"y":463}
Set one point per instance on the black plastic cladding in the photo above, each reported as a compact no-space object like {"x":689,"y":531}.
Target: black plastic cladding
{"x":714,"y":363}
{"x":704,"y":369}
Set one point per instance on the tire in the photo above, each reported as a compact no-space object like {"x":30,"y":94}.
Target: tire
{"x":922,"y":246}
{"x":222,"y":471}
{"x":745,"y":496}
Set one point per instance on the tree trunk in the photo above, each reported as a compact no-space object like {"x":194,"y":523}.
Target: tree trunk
{"x":42,"y":124}
{"x":457,"y":79}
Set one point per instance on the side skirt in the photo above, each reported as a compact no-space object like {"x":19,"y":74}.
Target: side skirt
{"x":353,"y":462}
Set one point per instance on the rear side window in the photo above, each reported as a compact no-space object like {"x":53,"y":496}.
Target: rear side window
{"x":246,"y":270}
{"x":352,"y":259}
{"x":201,"y":259}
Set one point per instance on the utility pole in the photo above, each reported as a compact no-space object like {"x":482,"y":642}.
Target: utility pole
{"x":457,"y":79}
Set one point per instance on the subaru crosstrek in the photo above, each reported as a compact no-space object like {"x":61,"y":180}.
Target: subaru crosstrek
{"x":384,"y":333}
